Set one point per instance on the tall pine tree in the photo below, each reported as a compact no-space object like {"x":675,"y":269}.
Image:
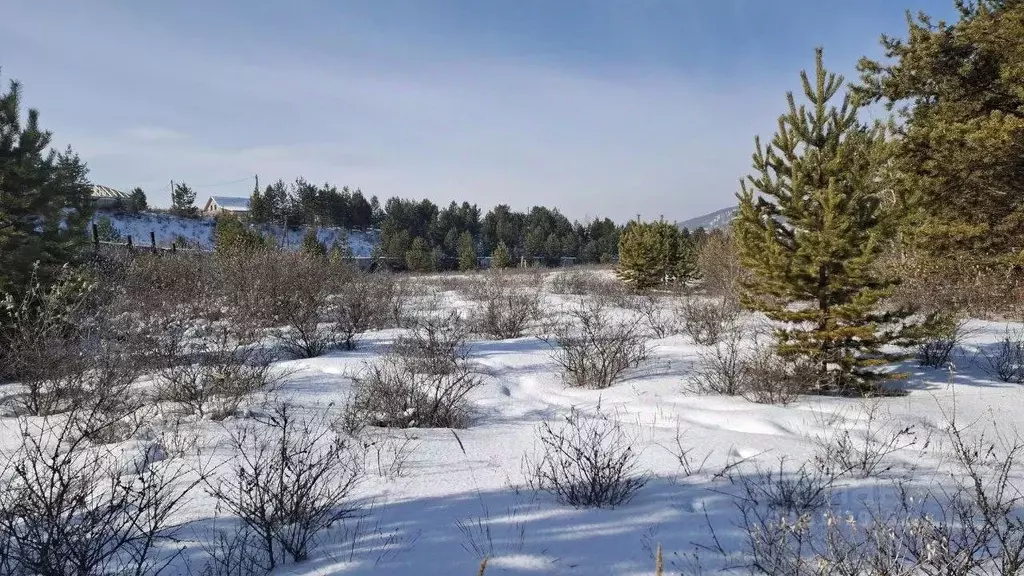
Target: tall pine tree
{"x":45,"y":202}
{"x":183,"y":200}
{"x":467,"y":252}
{"x":811,"y":236}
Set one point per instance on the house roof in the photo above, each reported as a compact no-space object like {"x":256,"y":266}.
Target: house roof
{"x":106,"y":192}
{"x":232,"y":203}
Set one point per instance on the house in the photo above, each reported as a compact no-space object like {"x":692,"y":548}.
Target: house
{"x":219,"y":204}
{"x":106,"y":198}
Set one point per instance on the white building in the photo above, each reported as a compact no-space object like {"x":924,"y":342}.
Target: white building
{"x":218,"y":204}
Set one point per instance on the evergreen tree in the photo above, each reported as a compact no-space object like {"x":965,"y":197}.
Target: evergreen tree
{"x":812,"y":237}
{"x":137,"y":200}
{"x":230,"y":235}
{"x":956,"y":171}
{"x":467,"y":252}
{"x":106,"y":231}
{"x":686,"y":263}
{"x":45,"y":204}
{"x":501,"y":258}
{"x":419,"y":257}
{"x":259,"y":208}
{"x":649,"y":254}
{"x":312,"y":246}
{"x":183,"y":200}
{"x":340,"y":250}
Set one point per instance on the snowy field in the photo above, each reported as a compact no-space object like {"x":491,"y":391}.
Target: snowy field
{"x":437,"y":501}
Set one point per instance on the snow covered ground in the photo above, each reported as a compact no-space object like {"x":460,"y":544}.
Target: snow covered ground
{"x":199,"y":232}
{"x":461,"y":494}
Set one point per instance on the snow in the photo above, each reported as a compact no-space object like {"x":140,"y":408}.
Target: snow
{"x":711,"y":221}
{"x":198,"y":232}
{"x":410,"y":525}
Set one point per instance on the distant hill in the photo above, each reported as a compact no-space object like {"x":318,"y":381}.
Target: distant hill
{"x":714,"y":220}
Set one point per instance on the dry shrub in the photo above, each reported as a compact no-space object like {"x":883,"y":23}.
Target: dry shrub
{"x":506,"y":305}
{"x":735,"y":367}
{"x":708,"y":320}
{"x":945,"y":331}
{"x":58,"y":349}
{"x":67,"y":507}
{"x":588,"y":462}
{"x":423,"y":383}
{"x":661,"y":314}
{"x":587,"y":283}
{"x":595,"y":347}
{"x":842,"y":451}
{"x":290,"y":479}
{"x":1006,"y":360}
{"x":362,"y":304}
{"x":300,"y":308}
{"x":970,"y":526}
{"x":211,"y":371}
{"x":718,"y":262}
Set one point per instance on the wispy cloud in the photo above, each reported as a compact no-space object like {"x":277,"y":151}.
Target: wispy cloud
{"x":212,"y":94}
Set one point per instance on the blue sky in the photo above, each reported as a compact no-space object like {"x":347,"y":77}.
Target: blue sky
{"x":597,"y":107}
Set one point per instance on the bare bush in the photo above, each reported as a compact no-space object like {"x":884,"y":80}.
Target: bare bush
{"x":70,"y":508}
{"x":723,"y":368}
{"x":946,"y":332}
{"x":589,"y":461}
{"x":42,"y":347}
{"x":398,"y":392}
{"x":720,"y":269}
{"x":841,"y":452}
{"x":708,"y":320}
{"x":798,"y":492}
{"x":773,"y":379}
{"x":436,"y":344}
{"x":1006,"y":361}
{"x":397,"y":295}
{"x":301,"y":307}
{"x":971,"y":527}
{"x":587,"y":283}
{"x":235,"y":553}
{"x":506,"y":305}
{"x":595,"y":348}
{"x":734,"y":366}
{"x":362,"y":304}
{"x":662,"y":315}
{"x":289,"y":480}
{"x":211,"y":374}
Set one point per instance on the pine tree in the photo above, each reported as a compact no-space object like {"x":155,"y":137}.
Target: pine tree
{"x":419,"y":257}
{"x":230,"y":235}
{"x":45,"y":204}
{"x":312,"y":246}
{"x":812,"y":237}
{"x":957,"y":168}
{"x":467,"y":252}
{"x":649,"y":254}
{"x":686,"y":269}
{"x":501,"y":258}
{"x":340,"y":250}
{"x":137,"y":200}
{"x":106,"y":231}
{"x":183,"y":200}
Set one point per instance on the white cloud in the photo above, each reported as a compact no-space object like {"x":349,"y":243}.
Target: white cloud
{"x":488,"y":131}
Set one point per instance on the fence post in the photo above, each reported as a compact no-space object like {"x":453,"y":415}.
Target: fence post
{"x":174,"y":247}
{"x":95,"y":235}
{"x":130,"y":246}
{"x":152,"y":240}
